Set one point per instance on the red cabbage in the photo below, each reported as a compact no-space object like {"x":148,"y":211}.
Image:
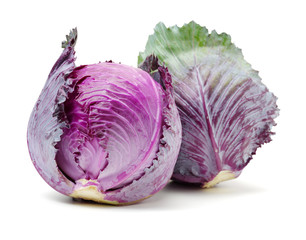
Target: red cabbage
{"x":225,"y":109}
{"x":105,"y":132}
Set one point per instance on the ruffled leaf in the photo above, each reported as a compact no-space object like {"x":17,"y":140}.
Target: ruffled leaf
{"x":71,"y":38}
{"x":44,"y":129}
{"x":158,"y":72}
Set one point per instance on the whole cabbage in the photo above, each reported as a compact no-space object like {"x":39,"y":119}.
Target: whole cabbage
{"x":225,"y":109}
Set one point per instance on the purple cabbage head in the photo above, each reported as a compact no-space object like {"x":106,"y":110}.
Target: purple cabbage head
{"x":225,"y":109}
{"x":105,"y":132}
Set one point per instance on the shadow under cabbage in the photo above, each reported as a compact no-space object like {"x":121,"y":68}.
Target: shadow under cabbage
{"x":174,"y":196}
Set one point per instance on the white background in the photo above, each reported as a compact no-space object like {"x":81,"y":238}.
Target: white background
{"x":266,"y":202}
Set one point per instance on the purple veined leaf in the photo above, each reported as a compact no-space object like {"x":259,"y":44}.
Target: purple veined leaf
{"x":105,"y":132}
{"x":225,"y":109}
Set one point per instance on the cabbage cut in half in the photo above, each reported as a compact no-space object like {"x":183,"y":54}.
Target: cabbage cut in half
{"x":105,"y":132}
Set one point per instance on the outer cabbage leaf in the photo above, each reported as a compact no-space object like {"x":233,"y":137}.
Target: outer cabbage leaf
{"x":225,"y":109}
{"x":44,"y":129}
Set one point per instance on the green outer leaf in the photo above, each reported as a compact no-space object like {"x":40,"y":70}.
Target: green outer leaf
{"x":182,"y":47}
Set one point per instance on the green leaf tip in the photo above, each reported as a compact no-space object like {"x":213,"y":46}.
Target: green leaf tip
{"x":71,"y":38}
{"x":176,"y":40}
{"x":183,"y":48}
